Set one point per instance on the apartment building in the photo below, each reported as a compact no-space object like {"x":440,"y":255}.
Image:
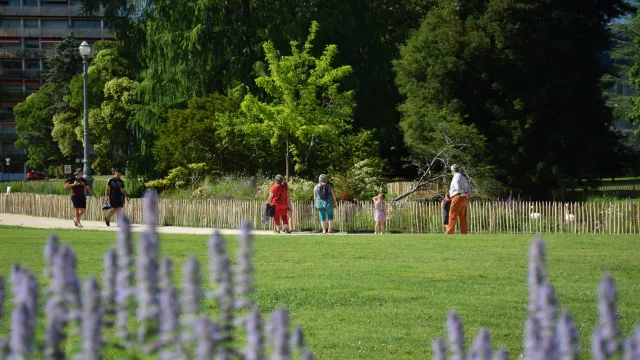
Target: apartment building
{"x":29,"y":31}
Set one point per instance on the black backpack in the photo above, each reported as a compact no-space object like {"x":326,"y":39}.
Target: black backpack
{"x":324,"y":192}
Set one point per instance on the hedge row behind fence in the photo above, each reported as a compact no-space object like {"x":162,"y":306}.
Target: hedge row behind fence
{"x":404,"y":217}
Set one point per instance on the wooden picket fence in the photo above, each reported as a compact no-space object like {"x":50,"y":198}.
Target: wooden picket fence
{"x":404,"y":217}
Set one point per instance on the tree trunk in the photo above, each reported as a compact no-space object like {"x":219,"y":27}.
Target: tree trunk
{"x":287,"y":163}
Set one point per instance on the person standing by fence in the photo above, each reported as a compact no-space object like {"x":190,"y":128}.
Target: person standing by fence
{"x":460,"y":191}
{"x":116,"y":194}
{"x":380,"y":213}
{"x":324,"y":199}
{"x":446,"y":207}
{"x":279,"y":197}
{"x":78,"y":184}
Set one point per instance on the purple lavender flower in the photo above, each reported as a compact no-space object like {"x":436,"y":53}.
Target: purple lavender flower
{"x":124,"y":278}
{"x":297,"y":339}
{"x":169,"y":314}
{"x":206,"y":332}
{"x":109,"y":282}
{"x":191,"y":288}
{"x":547,"y":313}
{"x":531,"y":338}
{"x":150,"y":205}
{"x":567,"y":337}
{"x":91,"y":321}
{"x":166,"y":273}
{"x":501,"y":354}
{"x":537,"y":273}
{"x":244,"y":270}
{"x":54,"y":328}
{"x":439,"y":349}
{"x":147,"y":279}
{"x":632,"y":346}
{"x":607,"y":332}
{"x":220,"y":274}
{"x":598,"y":346}
{"x":25,"y":293}
{"x":456,"y":336}
{"x":21,"y":340}
{"x":253,"y":327}
{"x":50,"y":250}
{"x":278,"y":331}
{"x":481,"y":346}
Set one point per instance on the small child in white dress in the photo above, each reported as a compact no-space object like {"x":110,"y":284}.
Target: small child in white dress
{"x":380,"y":213}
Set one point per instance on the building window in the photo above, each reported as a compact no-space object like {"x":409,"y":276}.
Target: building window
{"x":87,"y":24}
{"x":32,"y":64}
{"x":55,"y":24}
{"x":30,"y":2}
{"x":9,"y":2}
{"x":11,"y":65}
{"x":31,"y":43}
{"x":49,"y":3}
{"x":31,"y":23}
{"x":10,"y":23}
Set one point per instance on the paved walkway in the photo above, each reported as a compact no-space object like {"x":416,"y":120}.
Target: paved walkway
{"x":51,"y":223}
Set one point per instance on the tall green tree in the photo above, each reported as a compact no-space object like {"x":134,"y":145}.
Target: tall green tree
{"x":505,"y":69}
{"x":34,"y":125}
{"x":307,"y":106}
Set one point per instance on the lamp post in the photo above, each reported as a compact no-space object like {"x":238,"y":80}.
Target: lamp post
{"x":84,"y":52}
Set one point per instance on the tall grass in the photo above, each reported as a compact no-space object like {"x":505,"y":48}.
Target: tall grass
{"x":135,"y":188}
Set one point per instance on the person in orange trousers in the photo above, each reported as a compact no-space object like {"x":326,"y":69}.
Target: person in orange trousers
{"x":459,"y":192}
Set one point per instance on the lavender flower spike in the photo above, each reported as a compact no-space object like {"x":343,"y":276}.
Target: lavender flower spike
{"x":567,"y":337}
{"x":456,"y":336}
{"x":169,"y":314}
{"x":253,"y":327}
{"x":439,"y":349}
{"x":150,"y":205}
{"x":147,"y":279}
{"x":537,"y":273}
{"x":532,"y":338}
{"x":205,"y":331}
{"x":20,"y":343}
{"x":632,"y":346}
{"x":501,"y":354}
{"x":55,"y":328}
{"x":191,"y":285}
{"x":278,"y":331}
{"x":166,"y":273}
{"x":547,"y":313}
{"x":244,"y":270}
{"x":123,"y":278}
{"x":50,"y":249}
{"x":607,"y":330}
{"x":297,"y":339}
{"x":220,"y":274}
{"x":109,"y":282}
{"x":481,"y":346}
{"x":91,"y":321}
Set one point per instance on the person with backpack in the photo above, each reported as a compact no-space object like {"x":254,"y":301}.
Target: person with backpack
{"x":116,"y":194}
{"x":78,"y":184}
{"x":279,"y":198}
{"x":325,"y":200}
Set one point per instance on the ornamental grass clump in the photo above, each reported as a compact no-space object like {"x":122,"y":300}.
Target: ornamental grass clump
{"x":137,"y":312}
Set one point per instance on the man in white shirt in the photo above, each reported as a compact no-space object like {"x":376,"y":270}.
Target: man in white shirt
{"x":459,"y":192}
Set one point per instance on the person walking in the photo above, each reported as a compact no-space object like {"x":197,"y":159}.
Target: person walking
{"x":324,"y":199}
{"x":460,"y":191}
{"x":77,"y":184}
{"x":116,"y":194}
{"x":279,"y":197}
{"x":380,"y":213}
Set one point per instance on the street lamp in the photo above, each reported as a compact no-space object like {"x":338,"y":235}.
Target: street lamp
{"x":85,"y":50}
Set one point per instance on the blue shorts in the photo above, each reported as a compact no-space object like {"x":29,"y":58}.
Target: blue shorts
{"x":326,"y":212}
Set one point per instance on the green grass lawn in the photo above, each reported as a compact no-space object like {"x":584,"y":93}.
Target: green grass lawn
{"x":387,"y":297}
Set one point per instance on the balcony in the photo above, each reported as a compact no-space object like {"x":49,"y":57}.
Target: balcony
{"x":83,"y":33}
{"x":21,"y":74}
{"x":48,"y":11}
{"x":23,"y":53}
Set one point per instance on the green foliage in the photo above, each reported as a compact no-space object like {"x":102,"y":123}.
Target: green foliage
{"x":361,"y":182}
{"x":485,"y":69}
{"x":211,"y":130}
{"x":306,"y":104}
{"x":34,"y":125}
{"x":299,"y":189}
